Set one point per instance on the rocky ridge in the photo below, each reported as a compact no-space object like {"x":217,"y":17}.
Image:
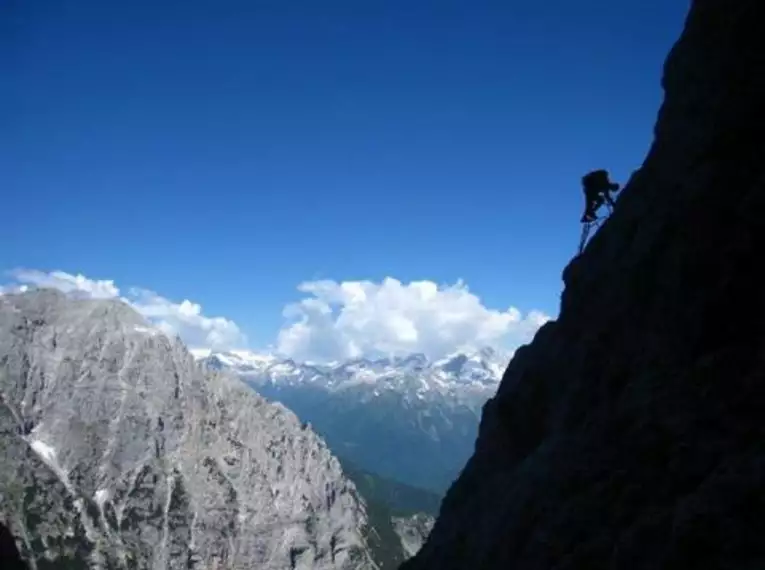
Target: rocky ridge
{"x":118,"y":451}
{"x":413,"y":531}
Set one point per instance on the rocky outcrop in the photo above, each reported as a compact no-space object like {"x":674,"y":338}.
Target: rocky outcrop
{"x":118,"y":451}
{"x":413,"y":530}
{"x":630,"y":433}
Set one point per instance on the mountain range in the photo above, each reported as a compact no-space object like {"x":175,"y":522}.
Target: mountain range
{"x":408,"y":418}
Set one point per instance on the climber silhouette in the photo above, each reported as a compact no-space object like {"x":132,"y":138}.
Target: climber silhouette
{"x":597,"y":189}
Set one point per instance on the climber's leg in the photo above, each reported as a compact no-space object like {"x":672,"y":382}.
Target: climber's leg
{"x":585,"y":235}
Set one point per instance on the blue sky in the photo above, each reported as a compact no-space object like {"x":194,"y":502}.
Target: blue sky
{"x":227,"y":151}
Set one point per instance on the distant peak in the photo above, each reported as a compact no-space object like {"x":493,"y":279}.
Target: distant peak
{"x":460,"y":375}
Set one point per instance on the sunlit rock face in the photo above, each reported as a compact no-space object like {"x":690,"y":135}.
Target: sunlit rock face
{"x":630,"y":434}
{"x":413,"y":531}
{"x":118,"y":451}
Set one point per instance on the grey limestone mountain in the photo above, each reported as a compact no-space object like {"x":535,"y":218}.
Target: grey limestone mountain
{"x":630,"y":434}
{"x":118,"y":451}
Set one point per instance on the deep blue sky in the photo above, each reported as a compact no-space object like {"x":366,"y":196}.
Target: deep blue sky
{"x":225,"y":151}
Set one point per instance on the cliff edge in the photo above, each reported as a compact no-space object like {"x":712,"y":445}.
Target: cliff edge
{"x":630,"y":433}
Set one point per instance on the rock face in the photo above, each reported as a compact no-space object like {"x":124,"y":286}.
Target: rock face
{"x":10,"y":557}
{"x":630,"y":433}
{"x":118,"y":451}
{"x":413,"y":530}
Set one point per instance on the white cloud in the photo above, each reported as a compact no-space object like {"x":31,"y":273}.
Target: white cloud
{"x":335,"y":320}
{"x":354,"y":318}
{"x":77,"y":284}
{"x":184,"y":319}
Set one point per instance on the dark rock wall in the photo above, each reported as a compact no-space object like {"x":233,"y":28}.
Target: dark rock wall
{"x":10,"y":558}
{"x":630,"y":434}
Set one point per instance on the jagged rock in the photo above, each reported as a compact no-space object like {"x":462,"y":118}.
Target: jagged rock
{"x":118,"y":451}
{"x":413,"y":530}
{"x":630,"y":433}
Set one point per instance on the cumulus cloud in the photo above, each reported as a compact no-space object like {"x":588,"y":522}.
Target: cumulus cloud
{"x":184,"y":319}
{"x":338,"y":320}
{"x":187,"y":321}
{"x":334,"y":320}
{"x":75,"y":284}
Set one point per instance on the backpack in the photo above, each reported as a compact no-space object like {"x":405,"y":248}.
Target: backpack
{"x":596,"y":179}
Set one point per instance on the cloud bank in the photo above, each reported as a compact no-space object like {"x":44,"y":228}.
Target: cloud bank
{"x":334,"y":320}
{"x":184,"y":319}
{"x":339,"y":320}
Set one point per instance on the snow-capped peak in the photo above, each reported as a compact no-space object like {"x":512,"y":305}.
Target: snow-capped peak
{"x":462,"y":372}
{"x":484,"y":363}
{"x":238,"y":360}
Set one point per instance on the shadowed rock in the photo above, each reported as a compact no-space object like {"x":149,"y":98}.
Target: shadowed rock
{"x":10,"y":558}
{"x":630,"y":434}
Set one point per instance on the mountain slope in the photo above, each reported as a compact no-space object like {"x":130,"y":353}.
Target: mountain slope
{"x":401,"y":516}
{"x":118,"y":451}
{"x":629,"y":434}
{"x":401,"y":499}
{"x":408,"y":418}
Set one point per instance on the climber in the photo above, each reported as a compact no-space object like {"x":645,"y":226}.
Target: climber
{"x":597,"y":189}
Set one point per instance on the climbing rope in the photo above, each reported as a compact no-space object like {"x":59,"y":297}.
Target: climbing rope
{"x":589,"y":227}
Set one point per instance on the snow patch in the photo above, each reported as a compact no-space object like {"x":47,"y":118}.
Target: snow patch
{"x":151,"y":331}
{"x":101,"y":496}
{"x":45,"y":451}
